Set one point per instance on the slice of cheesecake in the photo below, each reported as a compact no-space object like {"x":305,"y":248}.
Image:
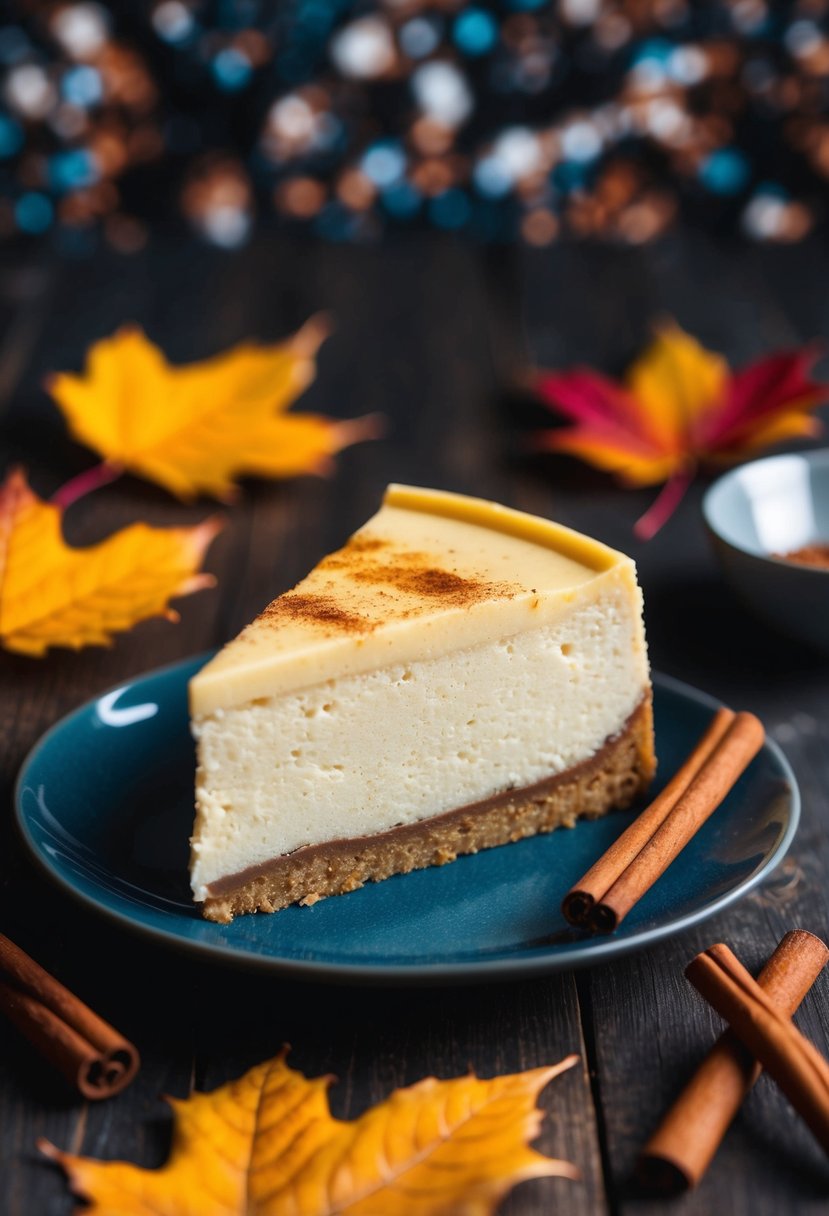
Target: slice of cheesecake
{"x":458,"y":676}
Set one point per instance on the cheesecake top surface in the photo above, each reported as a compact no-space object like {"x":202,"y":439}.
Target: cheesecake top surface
{"x":431,"y":572}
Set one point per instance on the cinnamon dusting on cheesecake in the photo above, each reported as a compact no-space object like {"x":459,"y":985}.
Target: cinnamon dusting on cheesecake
{"x":361,"y":544}
{"x":407,"y":581}
{"x":315,"y":609}
{"x":429,"y":582}
{"x":415,"y":574}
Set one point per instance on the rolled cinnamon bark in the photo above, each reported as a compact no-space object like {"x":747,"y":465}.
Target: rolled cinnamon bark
{"x":789,"y":1058}
{"x":90,"y":1053}
{"x":579,"y":901}
{"x":732,"y":755}
{"x":681,"y":1149}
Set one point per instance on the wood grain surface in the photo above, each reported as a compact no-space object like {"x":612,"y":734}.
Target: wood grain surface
{"x":435,"y":335}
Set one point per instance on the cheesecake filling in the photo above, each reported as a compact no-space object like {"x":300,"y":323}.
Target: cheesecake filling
{"x":364,"y":754}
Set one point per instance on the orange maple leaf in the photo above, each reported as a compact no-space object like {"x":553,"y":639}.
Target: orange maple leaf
{"x":266,"y":1145}
{"x":195,"y":429}
{"x":679,"y":406}
{"x":53,"y":595}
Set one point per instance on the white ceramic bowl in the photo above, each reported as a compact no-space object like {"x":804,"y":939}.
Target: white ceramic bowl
{"x":764,"y":509}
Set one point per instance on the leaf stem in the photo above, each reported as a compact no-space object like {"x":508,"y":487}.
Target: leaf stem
{"x":91,"y":479}
{"x":359,"y":430}
{"x":665,"y":503}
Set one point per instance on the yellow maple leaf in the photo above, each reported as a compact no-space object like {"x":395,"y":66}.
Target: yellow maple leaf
{"x":54,"y":595}
{"x":195,"y":429}
{"x":266,"y":1145}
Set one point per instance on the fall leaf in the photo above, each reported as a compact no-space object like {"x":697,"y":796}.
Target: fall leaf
{"x":266,"y":1145}
{"x":53,"y":595}
{"x":195,"y":429}
{"x":679,"y":406}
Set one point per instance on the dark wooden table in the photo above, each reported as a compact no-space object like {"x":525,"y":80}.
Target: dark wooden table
{"x":432,"y":334}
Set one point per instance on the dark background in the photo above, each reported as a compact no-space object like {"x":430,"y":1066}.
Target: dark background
{"x":115,"y":116}
{"x":434,"y":334}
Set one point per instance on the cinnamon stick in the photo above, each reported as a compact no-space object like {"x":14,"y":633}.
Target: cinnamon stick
{"x":731,"y":756}
{"x":579,"y":901}
{"x":90,"y":1053}
{"x":790,"y":1059}
{"x":681,"y":1149}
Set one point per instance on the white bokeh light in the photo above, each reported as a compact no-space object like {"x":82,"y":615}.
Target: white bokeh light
{"x":442,"y":92}
{"x":364,"y":49}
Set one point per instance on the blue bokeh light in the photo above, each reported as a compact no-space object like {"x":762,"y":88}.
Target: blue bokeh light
{"x":33,"y":212}
{"x":11,"y":136}
{"x":82,"y":86}
{"x":384,"y":163}
{"x":570,"y":175}
{"x":419,"y":37}
{"x":475,"y":31}
{"x":401,"y":200}
{"x":725,"y":171}
{"x":72,"y":170}
{"x":491,"y":178}
{"x":231,"y":69}
{"x":450,"y":209}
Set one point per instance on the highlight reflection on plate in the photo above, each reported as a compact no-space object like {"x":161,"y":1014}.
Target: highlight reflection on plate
{"x":105,"y":804}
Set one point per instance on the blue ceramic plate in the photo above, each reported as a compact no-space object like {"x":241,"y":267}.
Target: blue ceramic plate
{"x":104,"y":802}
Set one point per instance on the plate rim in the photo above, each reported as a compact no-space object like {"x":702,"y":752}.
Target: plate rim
{"x":593,"y":952}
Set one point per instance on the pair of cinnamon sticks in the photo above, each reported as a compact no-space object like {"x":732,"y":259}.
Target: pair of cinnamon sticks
{"x":761,"y":1035}
{"x":633,"y":863}
{"x":90,"y":1053}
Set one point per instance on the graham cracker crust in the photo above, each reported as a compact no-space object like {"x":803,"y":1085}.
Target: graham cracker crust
{"x":609,"y":780}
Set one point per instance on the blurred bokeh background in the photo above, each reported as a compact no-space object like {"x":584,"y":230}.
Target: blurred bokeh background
{"x":502,"y":119}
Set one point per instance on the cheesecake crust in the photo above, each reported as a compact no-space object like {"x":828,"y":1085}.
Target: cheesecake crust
{"x":609,"y":780}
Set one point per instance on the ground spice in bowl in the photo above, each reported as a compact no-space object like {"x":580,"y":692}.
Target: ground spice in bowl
{"x":809,"y":555}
